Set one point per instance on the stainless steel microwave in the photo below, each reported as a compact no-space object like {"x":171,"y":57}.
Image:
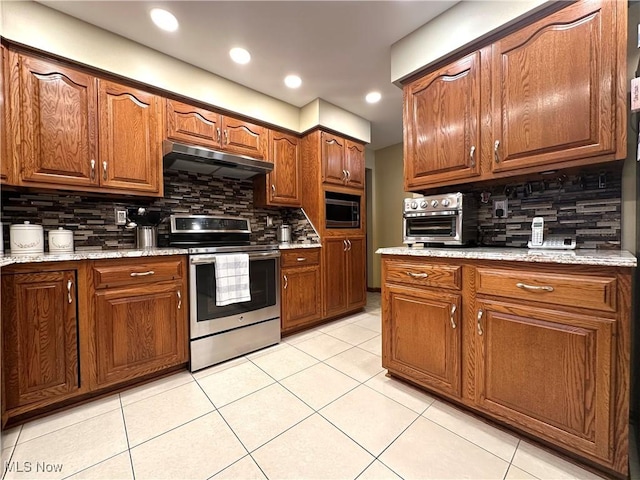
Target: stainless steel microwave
{"x":341,"y":210}
{"x":440,"y":220}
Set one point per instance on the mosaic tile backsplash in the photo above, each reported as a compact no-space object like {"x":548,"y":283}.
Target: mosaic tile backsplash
{"x":92,"y":219}
{"x":587,"y":206}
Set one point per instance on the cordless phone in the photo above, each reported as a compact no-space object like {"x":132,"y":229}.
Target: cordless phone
{"x":554,"y":242}
{"x":537,"y":228}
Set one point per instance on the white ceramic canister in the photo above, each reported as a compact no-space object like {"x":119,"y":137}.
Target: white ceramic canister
{"x":60,"y":241}
{"x":26,"y":238}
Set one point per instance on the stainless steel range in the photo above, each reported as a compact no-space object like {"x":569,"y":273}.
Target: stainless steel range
{"x":218,"y":333}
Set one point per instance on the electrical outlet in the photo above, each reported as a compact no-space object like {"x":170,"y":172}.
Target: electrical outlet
{"x":500,"y":208}
{"x":121,"y":217}
{"x":269,"y":221}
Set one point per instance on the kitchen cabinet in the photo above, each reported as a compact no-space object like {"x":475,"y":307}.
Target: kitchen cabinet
{"x":40,"y":339}
{"x":198,"y":126}
{"x":139,"y":313}
{"x":344,"y":272}
{"x":542,"y":348}
{"x":74,"y":131}
{"x":342,"y":161}
{"x":511,"y":108}
{"x":282,"y":186}
{"x":301,"y":288}
{"x":442,"y":124}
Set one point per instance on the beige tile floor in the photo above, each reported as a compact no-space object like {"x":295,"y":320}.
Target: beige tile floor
{"x":318,"y":405}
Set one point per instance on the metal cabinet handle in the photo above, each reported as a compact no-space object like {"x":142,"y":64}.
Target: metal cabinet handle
{"x":226,"y":137}
{"x":93,"y":169}
{"x":524,"y":286}
{"x":453,"y":311}
{"x":273,"y":187}
{"x":286,"y":282}
{"x":480,"y":313}
{"x":344,"y":175}
{"x":142,"y":274}
{"x":472,"y":155}
{"x":344,"y":242}
{"x":496,"y":145}
{"x":218,"y":132}
{"x":348,"y":176}
{"x":179,"y":299}
{"x":104,"y":170}
{"x":349,"y":244}
{"x":417,"y":275}
{"x":301,"y":259}
{"x":69,"y":285}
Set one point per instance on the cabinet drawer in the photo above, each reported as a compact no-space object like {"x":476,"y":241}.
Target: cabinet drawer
{"x":424,"y":274}
{"x":572,"y":290}
{"x":300,"y":257}
{"x":111,"y":273}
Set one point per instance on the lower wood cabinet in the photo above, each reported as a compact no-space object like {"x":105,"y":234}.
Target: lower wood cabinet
{"x":40,"y":339}
{"x":344,"y":267}
{"x":300,"y":289}
{"x":542,"y":348}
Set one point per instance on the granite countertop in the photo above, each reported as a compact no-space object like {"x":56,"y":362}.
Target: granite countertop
{"x":290,"y":246}
{"x":611,"y":258}
{"x":97,"y":254}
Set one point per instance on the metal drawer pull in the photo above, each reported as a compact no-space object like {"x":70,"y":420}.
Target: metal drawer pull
{"x":69,"y":285}
{"x":453,"y":311}
{"x":496,"y":145}
{"x":480,"y":313}
{"x":472,"y":155}
{"x":104,"y":170}
{"x":524,"y":286}
{"x":93,"y":169}
{"x":301,"y":259}
{"x":142,"y":274}
{"x":417,"y":275}
{"x":286,"y":282}
{"x":179,"y":299}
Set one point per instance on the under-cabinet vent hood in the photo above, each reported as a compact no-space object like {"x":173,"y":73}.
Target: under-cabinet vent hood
{"x":191,"y":158}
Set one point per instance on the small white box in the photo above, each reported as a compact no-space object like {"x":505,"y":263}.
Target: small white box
{"x":635,"y":94}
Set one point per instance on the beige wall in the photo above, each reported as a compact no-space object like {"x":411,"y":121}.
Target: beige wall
{"x":40,"y":27}
{"x":389,"y":192}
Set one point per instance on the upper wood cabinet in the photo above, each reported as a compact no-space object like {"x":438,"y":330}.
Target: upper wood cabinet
{"x":71,"y":130}
{"x":193,"y":125}
{"x":442,"y":124}
{"x":281,"y":187}
{"x":342,"y":161}
{"x":550,"y":95}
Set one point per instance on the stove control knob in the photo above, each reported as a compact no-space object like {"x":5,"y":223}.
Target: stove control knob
{"x":414,"y":204}
{"x":445,"y":202}
{"x":423,"y":204}
{"x":434,"y":203}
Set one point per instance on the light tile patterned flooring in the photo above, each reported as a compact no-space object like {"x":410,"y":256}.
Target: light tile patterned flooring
{"x":318,"y":405}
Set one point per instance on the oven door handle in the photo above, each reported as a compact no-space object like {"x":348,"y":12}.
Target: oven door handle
{"x":204,"y":259}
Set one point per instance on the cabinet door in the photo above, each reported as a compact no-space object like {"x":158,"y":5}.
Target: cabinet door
{"x":301,"y":302}
{"x":6,"y":152}
{"x":192,"y":125}
{"x":333,"y":170}
{"x":354,"y":164}
{"x":245,"y":138}
{"x":57,"y":110}
{"x":284,"y":180}
{"x":442,"y":124}
{"x":40,"y":337}
{"x":421,"y":337}
{"x":554,"y":85}
{"x":130,"y":138}
{"x":335,"y":276}
{"x":547,"y":371}
{"x":357,"y":264}
{"x":139,"y":330}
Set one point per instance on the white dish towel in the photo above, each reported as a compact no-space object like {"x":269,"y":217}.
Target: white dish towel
{"x":232,"y":278}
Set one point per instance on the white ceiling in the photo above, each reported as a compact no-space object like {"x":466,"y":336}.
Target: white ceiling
{"x":341,"y":49}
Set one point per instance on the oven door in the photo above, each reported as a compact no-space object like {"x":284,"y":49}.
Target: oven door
{"x":436,"y":227}
{"x":264,"y":282}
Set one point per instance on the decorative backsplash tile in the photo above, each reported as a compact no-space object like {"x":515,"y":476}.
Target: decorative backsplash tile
{"x":92,"y":219}
{"x":587,"y":206}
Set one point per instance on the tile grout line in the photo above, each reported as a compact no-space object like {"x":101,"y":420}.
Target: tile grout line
{"x":126,"y":434}
{"x":13,"y":450}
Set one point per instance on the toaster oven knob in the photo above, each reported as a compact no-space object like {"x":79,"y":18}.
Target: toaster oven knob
{"x":445,"y":202}
{"x":414,"y":204}
{"x":434,"y":203}
{"x":423,"y":204}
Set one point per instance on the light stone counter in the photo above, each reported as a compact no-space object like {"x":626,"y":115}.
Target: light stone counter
{"x":611,"y":258}
{"x":291,"y":246}
{"x":9,"y":259}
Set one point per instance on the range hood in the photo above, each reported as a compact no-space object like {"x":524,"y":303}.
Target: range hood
{"x":191,"y":158}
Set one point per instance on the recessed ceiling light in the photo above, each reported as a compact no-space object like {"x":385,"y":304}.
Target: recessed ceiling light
{"x":373,"y":97}
{"x":292,"y":81}
{"x":164,"y":19}
{"x":239,"y":55}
